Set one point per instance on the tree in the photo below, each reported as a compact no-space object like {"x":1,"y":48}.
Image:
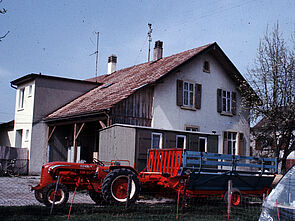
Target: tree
{"x":2,"y":12}
{"x":272,"y":77}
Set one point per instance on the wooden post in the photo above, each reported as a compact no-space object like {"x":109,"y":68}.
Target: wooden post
{"x":76,"y":134}
{"x":74,"y":143}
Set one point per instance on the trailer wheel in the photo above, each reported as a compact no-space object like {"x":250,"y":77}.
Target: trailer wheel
{"x":236,"y":197}
{"x":115,"y":186}
{"x":38,"y":196}
{"x":96,"y":197}
{"x":61,"y":196}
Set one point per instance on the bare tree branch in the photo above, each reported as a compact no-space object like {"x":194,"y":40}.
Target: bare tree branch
{"x":4,"y":35}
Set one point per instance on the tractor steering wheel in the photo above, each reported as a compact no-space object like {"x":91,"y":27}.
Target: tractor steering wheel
{"x":98,"y":162}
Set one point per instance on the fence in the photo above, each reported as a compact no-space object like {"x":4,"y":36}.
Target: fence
{"x":20,"y":154}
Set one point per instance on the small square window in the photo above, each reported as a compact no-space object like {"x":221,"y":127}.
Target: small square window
{"x":156,"y":141}
{"x":181,"y":141}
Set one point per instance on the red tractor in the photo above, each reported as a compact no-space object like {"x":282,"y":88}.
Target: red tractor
{"x":104,"y":183}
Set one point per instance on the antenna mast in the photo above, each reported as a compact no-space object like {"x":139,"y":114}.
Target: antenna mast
{"x":96,"y":53}
{"x":150,"y":39}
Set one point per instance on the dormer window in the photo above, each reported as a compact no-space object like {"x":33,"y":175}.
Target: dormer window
{"x":206,"y":67}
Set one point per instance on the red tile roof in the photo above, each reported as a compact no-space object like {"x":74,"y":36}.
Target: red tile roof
{"x":121,"y":84}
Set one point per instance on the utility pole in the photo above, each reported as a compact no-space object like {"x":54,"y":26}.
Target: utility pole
{"x":96,"y":52}
{"x":150,"y":39}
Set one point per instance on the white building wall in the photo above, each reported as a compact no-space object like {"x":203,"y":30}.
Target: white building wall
{"x":24,"y":116}
{"x":168,"y":115}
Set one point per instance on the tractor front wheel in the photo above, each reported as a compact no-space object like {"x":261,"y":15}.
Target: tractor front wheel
{"x":115,"y":186}
{"x":60,"y":197}
{"x":38,"y":196}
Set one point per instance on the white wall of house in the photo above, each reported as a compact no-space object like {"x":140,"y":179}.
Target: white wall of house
{"x":24,"y":110}
{"x":166,"y":114}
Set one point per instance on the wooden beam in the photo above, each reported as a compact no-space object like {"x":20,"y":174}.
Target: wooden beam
{"x":80,"y":130}
{"x":51,"y":133}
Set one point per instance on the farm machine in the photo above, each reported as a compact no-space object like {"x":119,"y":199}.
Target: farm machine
{"x":175,"y":171}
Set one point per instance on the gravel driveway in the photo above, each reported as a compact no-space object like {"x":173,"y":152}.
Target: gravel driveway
{"x":16,"y":191}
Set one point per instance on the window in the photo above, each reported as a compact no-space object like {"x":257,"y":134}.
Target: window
{"x":226,"y":102}
{"x":206,"y":66}
{"x":181,"y":141}
{"x":30,"y":90}
{"x":156,"y":141}
{"x":188,"y":94}
{"x":203,"y":144}
{"x":21,"y":98}
{"x":229,"y":142}
{"x":234,"y":143}
{"x":192,"y":128}
{"x":27,"y":135}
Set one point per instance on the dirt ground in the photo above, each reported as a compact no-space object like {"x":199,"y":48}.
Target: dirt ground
{"x":16,"y":191}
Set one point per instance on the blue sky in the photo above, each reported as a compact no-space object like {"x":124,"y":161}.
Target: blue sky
{"x":56,"y":37}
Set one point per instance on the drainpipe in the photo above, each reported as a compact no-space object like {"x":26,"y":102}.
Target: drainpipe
{"x":108,"y":118}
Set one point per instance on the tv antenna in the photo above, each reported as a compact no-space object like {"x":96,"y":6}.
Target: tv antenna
{"x":96,"y":53}
{"x":150,"y":39}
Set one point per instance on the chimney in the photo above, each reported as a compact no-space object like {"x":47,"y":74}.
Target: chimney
{"x":112,"y":63}
{"x":158,"y":50}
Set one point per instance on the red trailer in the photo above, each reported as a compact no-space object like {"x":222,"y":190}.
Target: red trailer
{"x":199,"y":174}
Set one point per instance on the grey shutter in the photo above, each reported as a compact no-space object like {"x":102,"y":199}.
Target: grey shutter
{"x":219,"y":100}
{"x":198,"y":96}
{"x":234,"y":103}
{"x":179,"y":93}
{"x":225,"y":144}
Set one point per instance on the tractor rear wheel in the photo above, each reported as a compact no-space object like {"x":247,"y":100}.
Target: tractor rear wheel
{"x":61,"y":195}
{"x":115,"y":186}
{"x":96,"y":197}
{"x":38,"y":196}
{"x":236,"y":197}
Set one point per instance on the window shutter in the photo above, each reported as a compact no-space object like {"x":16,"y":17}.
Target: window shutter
{"x":225,"y":144}
{"x":241,"y":144}
{"x":179,"y":93}
{"x":219,"y":100}
{"x":198,"y":96}
{"x":234,"y":103}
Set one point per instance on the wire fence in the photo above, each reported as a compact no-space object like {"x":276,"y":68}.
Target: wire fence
{"x":17,"y":202}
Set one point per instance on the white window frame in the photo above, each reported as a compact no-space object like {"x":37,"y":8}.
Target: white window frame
{"x":30,"y":90}
{"x":232,"y":142}
{"x":206,"y":143}
{"x":226,"y":97}
{"x":190,"y":94}
{"x":21,"y":97}
{"x":160,"y":141}
{"x":184,"y":140}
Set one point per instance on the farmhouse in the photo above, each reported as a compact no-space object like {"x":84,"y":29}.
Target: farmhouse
{"x":169,"y":99}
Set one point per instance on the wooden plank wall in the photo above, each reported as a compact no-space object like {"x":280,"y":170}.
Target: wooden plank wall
{"x":136,"y":109}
